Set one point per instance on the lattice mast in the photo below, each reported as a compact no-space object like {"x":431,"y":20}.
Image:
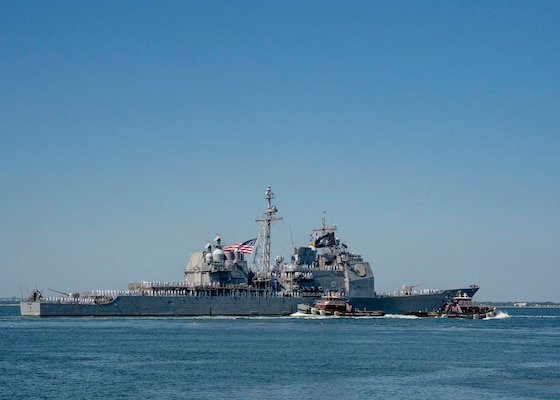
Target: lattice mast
{"x":261,"y":261}
{"x":324,"y":229}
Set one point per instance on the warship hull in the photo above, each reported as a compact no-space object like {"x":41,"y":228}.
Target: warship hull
{"x":187,"y":306}
{"x":151,"y":306}
{"x":409,"y":303}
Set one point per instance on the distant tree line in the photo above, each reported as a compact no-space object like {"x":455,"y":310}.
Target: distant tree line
{"x":522,"y":304}
{"x":9,"y":300}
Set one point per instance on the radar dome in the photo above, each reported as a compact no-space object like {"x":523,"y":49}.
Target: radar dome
{"x":218,"y":255}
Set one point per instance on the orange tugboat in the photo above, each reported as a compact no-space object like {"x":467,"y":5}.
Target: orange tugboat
{"x":336,"y":306}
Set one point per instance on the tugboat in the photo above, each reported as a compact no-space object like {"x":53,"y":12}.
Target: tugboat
{"x":333,"y":305}
{"x":462,"y":306}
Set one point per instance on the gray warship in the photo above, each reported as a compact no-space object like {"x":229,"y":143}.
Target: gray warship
{"x":219,"y":281}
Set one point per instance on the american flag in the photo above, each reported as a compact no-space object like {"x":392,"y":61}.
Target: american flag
{"x":245,"y":247}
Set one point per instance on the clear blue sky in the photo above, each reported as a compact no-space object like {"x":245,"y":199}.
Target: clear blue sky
{"x":132,"y":132}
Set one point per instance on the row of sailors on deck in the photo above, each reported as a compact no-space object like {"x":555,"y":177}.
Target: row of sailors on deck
{"x":174,"y":285}
{"x":110,"y":294}
{"x":415,"y":292}
{"x":286,"y":275}
{"x":68,"y":300}
{"x":308,"y":267}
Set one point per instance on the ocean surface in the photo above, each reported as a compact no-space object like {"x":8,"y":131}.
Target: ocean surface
{"x":513,"y":356}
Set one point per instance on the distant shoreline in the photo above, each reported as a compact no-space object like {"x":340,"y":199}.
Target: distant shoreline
{"x":552,"y":306}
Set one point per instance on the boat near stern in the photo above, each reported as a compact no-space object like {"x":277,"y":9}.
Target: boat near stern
{"x":335,"y":306}
{"x":462,"y":306}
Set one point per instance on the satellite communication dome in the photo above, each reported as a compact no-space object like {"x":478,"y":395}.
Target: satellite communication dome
{"x":218,"y":255}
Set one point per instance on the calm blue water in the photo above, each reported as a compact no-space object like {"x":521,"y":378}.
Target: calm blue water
{"x":517,"y":357}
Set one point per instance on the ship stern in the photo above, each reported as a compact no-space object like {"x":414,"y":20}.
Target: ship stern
{"x":30,"y":309}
